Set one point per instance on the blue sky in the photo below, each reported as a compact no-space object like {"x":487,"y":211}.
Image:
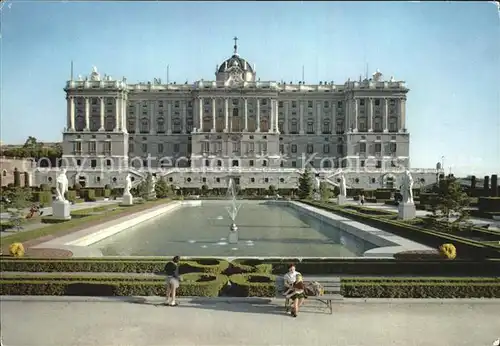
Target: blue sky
{"x":449,"y":54}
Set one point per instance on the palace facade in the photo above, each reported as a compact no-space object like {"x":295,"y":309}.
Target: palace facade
{"x":260,"y":133}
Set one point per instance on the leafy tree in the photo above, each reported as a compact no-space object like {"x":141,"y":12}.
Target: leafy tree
{"x":161,"y":188}
{"x":451,"y":202}
{"x":324,"y":191}
{"x":18,"y":198}
{"x":143,"y":190}
{"x":305,"y":188}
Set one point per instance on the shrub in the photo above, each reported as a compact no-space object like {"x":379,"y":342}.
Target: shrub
{"x":252,"y":285}
{"x":420,"y":288}
{"x":204,"y":265}
{"x":383,"y":194}
{"x":89,"y":195}
{"x":16,"y":249}
{"x":241,"y":266}
{"x":43,"y":197}
{"x":489,"y":204}
{"x":44,"y":187}
{"x":51,"y":219}
{"x":448,"y":250}
{"x":71,"y":195}
{"x":111,"y":265}
{"x":418,"y":255}
{"x":194,"y":284}
{"x":107,"y":193}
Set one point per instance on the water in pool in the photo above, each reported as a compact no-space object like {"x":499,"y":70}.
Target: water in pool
{"x":265,"y":230}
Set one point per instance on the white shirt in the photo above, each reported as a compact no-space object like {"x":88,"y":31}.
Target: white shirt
{"x":290,"y":278}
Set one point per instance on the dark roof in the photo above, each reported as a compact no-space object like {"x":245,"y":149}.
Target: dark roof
{"x":230,"y":63}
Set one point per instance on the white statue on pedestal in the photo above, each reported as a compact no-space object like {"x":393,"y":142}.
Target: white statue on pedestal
{"x":342,"y":185}
{"x":317,"y":183}
{"x":152,"y":191}
{"x":407,"y":188}
{"x":61,"y":185}
{"x":128,"y":185}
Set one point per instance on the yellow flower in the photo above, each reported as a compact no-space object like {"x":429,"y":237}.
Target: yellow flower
{"x":16,"y":249}
{"x":448,"y":250}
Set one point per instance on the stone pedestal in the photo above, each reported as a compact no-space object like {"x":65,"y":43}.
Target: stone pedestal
{"x":61,"y":210}
{"x":406,"y":211}
{"x":128,"y":199}
{"x":341,"y":200}
{"x":233,"y":234}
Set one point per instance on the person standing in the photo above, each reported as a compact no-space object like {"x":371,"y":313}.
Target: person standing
{"x":172,"y":281}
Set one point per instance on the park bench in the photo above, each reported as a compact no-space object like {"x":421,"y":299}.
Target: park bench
{"x":331,"y":286}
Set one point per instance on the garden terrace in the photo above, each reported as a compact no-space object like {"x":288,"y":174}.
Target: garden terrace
{"x":466,"y":247}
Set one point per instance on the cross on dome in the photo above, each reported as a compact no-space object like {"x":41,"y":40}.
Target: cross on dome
{"x":235,"y":45}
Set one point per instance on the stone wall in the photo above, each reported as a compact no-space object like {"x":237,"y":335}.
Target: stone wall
{"x":8,"y":167}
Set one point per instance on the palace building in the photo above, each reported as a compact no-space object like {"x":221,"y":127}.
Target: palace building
{"x":260,"y":133}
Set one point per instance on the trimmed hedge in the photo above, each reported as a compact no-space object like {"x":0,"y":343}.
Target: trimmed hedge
{"x":193,"y":284}
{"x":213,"y":266}
{"x":307,"y":266}
{"x":489,"y":204}
{"x":420,"y":289}
{"x":253,"y":285}
{"x":242,"y":266}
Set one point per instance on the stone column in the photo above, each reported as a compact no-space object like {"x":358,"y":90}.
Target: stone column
{"x":226,"y":114}
{"x":71,"y":113}
{"x":333,"y":120}
{"x":214,"y":115}
{"x":169,"y":118}
{"x":123,"y":118}
{"x":245,"y":114}
{"x":102,"y":127}
{"x":117,"y":114}
{"x":257,"y":114}
{"x":184,"y":116}
{"x":386,"y":115}
{"x":301,"y":117}
{"x":356,"y":114}
{"x":87,"y":114}
{"x":276,"y":116}
{"x":318,"y":118}
{"x":286,"y":123}
{"x":271,"y":116}
{"x":370,"y":115}
{"x":200,"y":114}
{"x":347,"y":122}
{"x":152,"y":118}
{"x":402,"y":114}
{"x":137,"y":116}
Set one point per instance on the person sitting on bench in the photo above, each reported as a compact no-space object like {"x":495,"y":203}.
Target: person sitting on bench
{"x":296,"y":294}
{"x":290,"y":276}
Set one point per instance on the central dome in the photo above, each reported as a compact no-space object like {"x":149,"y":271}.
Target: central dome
{"x":235,"y":61}
{"x":235,"y":69}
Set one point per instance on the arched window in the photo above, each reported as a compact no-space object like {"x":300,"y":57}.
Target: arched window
{"x":79,"y":123}
{"x":310,"y":127}
{"x":144,"y":125}
{"x":131,"y":125}
{"x":160,"y":125}
{"x":326,"y":126}
{"x":176,"y":126}
{"x":294,"y":126}
{"x":110,"y":123}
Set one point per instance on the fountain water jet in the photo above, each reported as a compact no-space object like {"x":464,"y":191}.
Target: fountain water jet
{"x":232,"y":210}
